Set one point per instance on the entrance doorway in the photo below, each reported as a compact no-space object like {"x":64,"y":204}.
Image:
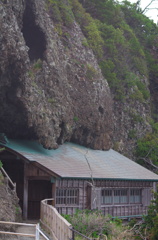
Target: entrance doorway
{"x":33,"y":184}
{"x":37,"y":191}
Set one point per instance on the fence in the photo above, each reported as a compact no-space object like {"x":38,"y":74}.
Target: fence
{"x":35,"y":235}
{"x":53,"y":223}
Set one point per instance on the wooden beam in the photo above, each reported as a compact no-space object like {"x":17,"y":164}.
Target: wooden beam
{"x":25,"y":197}
{"x":39,"y":178}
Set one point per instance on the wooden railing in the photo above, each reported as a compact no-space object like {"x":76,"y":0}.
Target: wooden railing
{"x":53,"y":223}
{"x":12,"y":185}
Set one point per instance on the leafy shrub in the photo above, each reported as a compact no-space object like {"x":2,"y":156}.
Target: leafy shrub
{"x":75,"y":118}
{"x":51,"y":100}
{"x":132,"y":134}
{"x":150,"y":225}
{"x":142,"y":88}
{"x":136,"y":118}
{"x":89,"y":28}
{"x":137,"y":95}
{"x":1,"y":164}
{"x":37,"y":65}
{"x":107,"y":67}
{"x":84,"y":42}
{"x":147,"y":147}
{"x":90,"y":223}
{"x":35,"y":68}
{"x":93,"y":224}
{"x":61,"y":12}
{"x":94,"y":38}
{"x":91,"y":72}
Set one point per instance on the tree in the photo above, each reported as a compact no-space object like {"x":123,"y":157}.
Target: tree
{"x":147,"y":149}
{"x":151,"y":220}
{"x":148,"y":6}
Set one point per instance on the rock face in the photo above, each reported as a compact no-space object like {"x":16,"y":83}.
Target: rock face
{"x":10,"y":210}
{"x":50,"y":90}
{"x":131,"y":122}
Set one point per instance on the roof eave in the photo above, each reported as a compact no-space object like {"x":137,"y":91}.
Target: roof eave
{"x":114,"y":179}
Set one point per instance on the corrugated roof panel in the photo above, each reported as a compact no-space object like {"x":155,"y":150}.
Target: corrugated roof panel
{"x":74,"y":161}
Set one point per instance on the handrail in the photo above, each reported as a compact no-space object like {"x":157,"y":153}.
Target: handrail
{"x":19,"y":224}
{"x":36,"y":235}
{"x":47,"y":199}
{"x":6,"y":175}
{"x":75,"y":231}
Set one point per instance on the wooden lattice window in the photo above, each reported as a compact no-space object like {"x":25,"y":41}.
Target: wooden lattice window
{"x":106,"y":196}
{"x":120,"y":196}
{"x":67,"y":196}
{"x":135,"y":195}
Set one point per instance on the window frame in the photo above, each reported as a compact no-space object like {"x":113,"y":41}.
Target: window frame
{"x":120,"y":196}
{"x":123,"y":199}
{"x":64,"y":196}
{"x":103,"y":198}
{"x":135,"y":196}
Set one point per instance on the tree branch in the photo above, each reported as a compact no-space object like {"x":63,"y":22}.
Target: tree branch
{"x":146,"y":8}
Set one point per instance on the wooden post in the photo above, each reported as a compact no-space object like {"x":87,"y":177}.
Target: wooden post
{"x":154,"y":186}
{"x":53,"y":194}
{"x":25,"y":197}
{"x":73,"y":234}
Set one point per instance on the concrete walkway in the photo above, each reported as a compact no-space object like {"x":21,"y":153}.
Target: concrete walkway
{"x":27,"y":230}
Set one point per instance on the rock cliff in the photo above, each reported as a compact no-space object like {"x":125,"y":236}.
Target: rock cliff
{"x":51,"y":87}
{"x":10,"y":210}
{"x":51,"y":90}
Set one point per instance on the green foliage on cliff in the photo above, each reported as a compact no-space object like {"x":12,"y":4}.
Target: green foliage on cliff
{"x":60,"y":11}
{"x":89,"y":28}
{"x":117,"y":44}
{"x":120,"y":36}
{"x":122,"y":39}
{"x":147,"y":147}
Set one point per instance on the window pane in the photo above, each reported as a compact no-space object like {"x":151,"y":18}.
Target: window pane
{"x":120,"y":196}
{"x":67,"y":196}
{"x":106,"y":196}
{"x":124,"y":196}
{"x":116,"y":196}
{"x":135,"y":196}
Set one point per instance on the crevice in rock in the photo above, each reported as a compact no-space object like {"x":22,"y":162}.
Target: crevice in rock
{"x":33,"y":35}
{"x":101,"y":110}
{"x":60,"y":138}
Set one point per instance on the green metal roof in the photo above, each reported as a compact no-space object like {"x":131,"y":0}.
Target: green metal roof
{"x":28,"y":147}
{"x":74,"y":161}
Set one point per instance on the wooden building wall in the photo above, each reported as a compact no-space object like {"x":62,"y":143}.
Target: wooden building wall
{"x":87,"y":194}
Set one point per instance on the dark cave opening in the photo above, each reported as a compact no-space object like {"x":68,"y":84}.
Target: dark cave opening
{"x":33,"y":35}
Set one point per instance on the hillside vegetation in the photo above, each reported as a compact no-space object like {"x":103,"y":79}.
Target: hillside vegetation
{"x":125,"y":43}
{"x":121,"y":37}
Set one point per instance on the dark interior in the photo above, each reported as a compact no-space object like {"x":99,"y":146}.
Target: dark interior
{"x":15,"y":169}
{"x":37,"y":189}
